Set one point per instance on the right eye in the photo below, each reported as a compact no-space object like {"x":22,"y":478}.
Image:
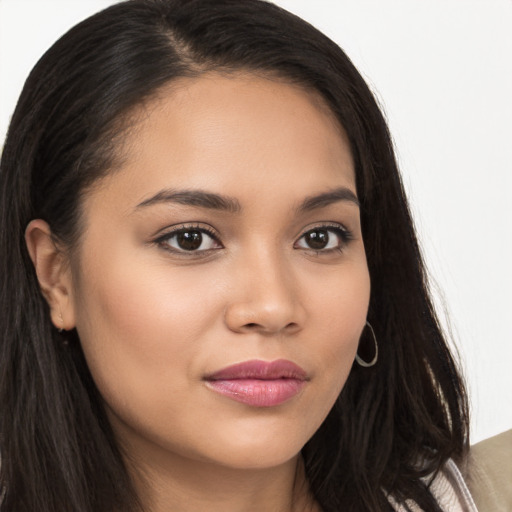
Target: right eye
{"x":189,"y":240}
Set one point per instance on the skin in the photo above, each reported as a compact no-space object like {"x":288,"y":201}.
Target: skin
{"x":154,"y":319}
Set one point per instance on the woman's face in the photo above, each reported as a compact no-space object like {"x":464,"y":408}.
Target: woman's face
{"x":229,"y":235}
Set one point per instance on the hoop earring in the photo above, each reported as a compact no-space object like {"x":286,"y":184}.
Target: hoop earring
{"x":363,"y":363}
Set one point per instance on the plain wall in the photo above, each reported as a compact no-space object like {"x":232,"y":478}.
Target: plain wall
{"x":442,"y":70}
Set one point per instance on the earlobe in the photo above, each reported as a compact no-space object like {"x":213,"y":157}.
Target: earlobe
{"x":53,"y":273}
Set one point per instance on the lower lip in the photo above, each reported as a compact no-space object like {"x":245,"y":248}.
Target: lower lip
{"x":256,"y":392}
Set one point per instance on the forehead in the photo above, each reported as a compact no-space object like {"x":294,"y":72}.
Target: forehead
{"x":235,"y":135}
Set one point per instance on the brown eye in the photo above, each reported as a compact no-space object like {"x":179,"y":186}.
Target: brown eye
{"x":189,"y":240}
{"x":317,"y":239}
{"x":324,"y":239}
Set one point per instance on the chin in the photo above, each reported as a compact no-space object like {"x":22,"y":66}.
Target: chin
{"x":258,"y":448}
{"x":256,"y":458}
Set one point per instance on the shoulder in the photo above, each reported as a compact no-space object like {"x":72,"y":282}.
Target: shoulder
{"x":489,"y":473}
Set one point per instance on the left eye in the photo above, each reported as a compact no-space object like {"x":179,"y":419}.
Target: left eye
{"x":322,"y":239}
{"x":189,"y":240}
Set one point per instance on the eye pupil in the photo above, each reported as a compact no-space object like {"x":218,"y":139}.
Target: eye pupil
{"x":317,"y":239}
{"x":189,"y":240}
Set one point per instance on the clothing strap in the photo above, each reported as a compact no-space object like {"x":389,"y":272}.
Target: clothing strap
{"x":448,"y":488}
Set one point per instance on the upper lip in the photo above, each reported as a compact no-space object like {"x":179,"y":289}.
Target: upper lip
{"x":260,"y":370}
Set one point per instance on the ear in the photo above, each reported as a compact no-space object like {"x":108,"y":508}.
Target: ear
{"x":53,"y":273}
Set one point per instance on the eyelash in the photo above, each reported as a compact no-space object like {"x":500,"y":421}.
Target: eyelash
{"x":344,"y":235}
{"x":163,"y":240}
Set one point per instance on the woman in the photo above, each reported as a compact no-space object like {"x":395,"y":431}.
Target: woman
{"x":213,"y":294}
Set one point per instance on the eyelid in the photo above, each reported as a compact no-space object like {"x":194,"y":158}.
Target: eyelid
{"x":325,"y":225}
{"x":341,"y":231}
{"x":171,"y":231}
{"x":200,"y":226}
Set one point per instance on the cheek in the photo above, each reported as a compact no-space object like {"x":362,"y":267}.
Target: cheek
{"x":139,"y":323}
{"x":338,"y":306}
{"x":140,"y":305}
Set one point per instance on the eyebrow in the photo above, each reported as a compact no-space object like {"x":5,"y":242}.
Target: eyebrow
{"x":199,"y":198}
{"x":328,"y":198}
{"x":219,"y":202}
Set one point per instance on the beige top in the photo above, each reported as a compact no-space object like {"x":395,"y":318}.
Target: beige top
{"x":489,"y":473}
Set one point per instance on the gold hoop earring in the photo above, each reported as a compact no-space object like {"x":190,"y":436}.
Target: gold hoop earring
{"x":363,"y":363}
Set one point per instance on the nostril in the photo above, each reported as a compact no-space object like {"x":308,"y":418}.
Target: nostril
{"x":254,"y":326}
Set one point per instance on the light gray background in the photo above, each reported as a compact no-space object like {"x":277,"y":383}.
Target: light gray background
{"x":442,"y":71}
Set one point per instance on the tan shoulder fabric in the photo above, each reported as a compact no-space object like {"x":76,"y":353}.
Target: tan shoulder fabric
{"x":489,"y":473}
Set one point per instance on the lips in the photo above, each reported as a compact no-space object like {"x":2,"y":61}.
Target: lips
{"x":259,"y":383}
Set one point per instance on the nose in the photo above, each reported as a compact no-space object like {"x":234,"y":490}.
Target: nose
{"x":265,"y":298}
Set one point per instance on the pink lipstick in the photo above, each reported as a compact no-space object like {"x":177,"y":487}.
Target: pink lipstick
{"x":259,"y":383}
